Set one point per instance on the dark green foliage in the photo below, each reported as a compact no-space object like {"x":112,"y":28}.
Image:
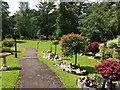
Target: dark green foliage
{"x":8,"y":42}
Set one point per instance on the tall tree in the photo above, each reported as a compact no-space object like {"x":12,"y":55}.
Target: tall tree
{"x":23,"y":20}
{"x":46,"y":16}
{"x":5,"y":21}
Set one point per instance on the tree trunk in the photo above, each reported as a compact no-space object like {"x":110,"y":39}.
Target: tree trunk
{"x":51,"y":46}
{"x":110,"y":84}
{"x":55,"y":49}
{"x":75,"y":59}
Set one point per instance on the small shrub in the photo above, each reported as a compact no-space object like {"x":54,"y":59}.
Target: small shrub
{"x":112,"y":44}
{"x":118,"y":41}
{"x":105,"y":52}
{"x":21,"y":37}
{"x":8,"y":42}
{"x":93,"y":47}
{"x":6,"y":49}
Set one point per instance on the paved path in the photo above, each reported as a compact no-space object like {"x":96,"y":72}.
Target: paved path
{"x":36,"y":74}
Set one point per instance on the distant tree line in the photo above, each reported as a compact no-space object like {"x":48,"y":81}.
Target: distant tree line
{"x":98,"y":21}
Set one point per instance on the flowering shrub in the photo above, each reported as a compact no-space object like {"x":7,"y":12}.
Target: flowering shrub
{"x":109,"y":70}
{"x":93,"y":47}
{"x":72,"y":44}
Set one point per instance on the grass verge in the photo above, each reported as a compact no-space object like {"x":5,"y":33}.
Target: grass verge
{"x":10,"y":77}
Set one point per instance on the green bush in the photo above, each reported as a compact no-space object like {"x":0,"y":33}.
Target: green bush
{"x":105,"y":52}
{"x":118,"y":41}
{"x":6,"y":49}
{"x":55,"y":42}
{"x":112,"y":44}
{"x":7,"y":42}
{"x":21,"y":37}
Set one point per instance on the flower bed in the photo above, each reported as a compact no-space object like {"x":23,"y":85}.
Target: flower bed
{"x":51,"y":56}
{"x":94,"y":82}
{"x":69,"y":68}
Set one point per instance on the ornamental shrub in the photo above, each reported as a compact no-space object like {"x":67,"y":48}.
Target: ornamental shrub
{"x":112,"y":44}
{"x":72,"y":44}
{"x":93,"y":47}
{"x":105,"y":52}
{"x":6,"y":49}
{"x":118,"y":41}
{"x":8,"y":42}
{"x":109,"y":70}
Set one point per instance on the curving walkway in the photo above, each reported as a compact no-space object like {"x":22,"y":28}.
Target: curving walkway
{"x":36,"y":74}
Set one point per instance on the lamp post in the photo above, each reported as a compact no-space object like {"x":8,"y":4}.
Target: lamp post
{"x":15,"y":29}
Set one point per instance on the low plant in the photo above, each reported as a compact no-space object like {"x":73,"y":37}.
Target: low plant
{"x":93,"y":47}
{"x":6,"y":49}
{"x":8,"y":42}
{"x":118,"y":41}
{"x":112,"y":44}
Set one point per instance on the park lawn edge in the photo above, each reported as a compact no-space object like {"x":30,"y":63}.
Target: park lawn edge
{"x":10,"y":77}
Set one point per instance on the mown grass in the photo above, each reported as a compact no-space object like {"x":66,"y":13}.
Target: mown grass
{"x":69,"y":80}
{"x":10,"y":77}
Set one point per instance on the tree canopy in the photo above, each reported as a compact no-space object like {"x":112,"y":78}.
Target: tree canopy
{"x":98,"y":21}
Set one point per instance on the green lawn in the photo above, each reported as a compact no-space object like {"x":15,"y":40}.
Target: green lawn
{"x":10,"y":77}
{"x":69,"y":80}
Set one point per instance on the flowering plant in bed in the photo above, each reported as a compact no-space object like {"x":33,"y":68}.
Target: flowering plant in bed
{"x":110,"y":70}
{"x":72,"y":44}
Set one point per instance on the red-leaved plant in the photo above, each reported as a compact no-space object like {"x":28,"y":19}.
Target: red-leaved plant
{"x":109,"y":70}
{"x":93,"y":47}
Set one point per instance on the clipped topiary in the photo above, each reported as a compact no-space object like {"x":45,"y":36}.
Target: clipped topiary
{"x":55,"y":42}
